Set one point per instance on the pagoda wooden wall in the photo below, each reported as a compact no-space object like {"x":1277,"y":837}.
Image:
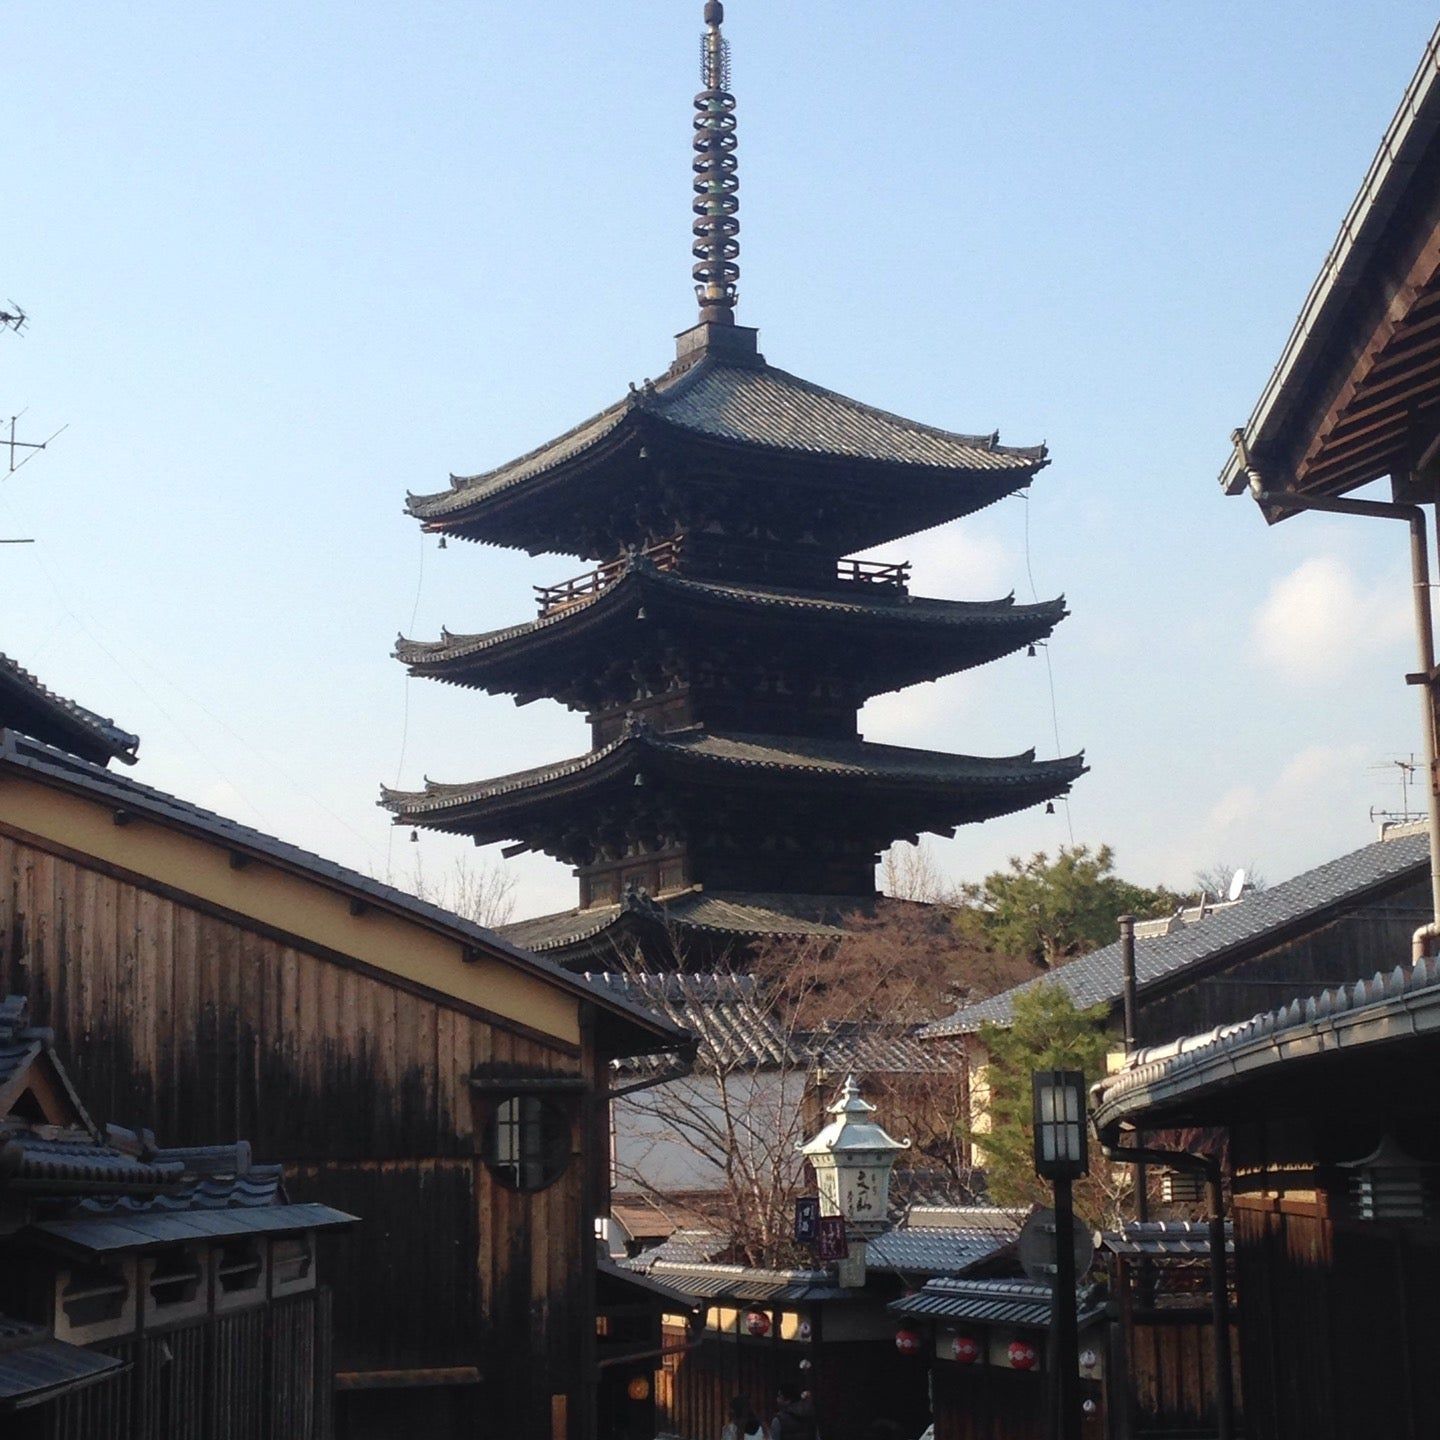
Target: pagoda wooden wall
{"x":174,"y":1016}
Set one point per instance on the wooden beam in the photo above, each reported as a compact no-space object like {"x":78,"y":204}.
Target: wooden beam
{"x":406,"y":1379}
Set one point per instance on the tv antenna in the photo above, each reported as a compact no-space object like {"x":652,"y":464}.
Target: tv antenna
{"x":13,"y":443}
{"x":1409,"y":768}
{"x":13,"y":318}
{"x":1238,"y":881}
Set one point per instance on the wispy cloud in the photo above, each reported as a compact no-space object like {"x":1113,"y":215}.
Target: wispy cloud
{"x":1320,"y":619}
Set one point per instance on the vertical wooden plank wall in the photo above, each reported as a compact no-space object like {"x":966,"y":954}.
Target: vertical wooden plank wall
{"x":206,"y":1031}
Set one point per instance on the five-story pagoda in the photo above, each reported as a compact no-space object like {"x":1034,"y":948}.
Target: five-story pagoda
{"x":724,"y":645}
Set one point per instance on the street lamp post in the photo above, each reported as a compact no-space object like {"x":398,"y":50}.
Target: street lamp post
{"x":1062,"y":1156}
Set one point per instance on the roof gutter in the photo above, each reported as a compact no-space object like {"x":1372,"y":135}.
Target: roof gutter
{"x":1423,"y":941}
{"x":683,"y":1067}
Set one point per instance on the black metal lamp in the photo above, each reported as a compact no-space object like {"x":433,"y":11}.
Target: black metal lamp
{"x":1061,"y":1149}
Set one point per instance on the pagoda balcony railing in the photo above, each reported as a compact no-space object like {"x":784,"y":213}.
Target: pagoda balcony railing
{"x":874,"y":574}
{"x":664,"y":555}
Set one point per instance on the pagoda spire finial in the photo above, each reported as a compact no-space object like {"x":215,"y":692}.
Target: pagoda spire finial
{"x":716,"y":249}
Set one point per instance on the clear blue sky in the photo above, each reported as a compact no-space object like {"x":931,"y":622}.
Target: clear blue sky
{"x":286,"y":262}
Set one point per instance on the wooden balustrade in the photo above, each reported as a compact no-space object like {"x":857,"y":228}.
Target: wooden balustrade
{"x":874,"y":574}
{"x":664,"y":555}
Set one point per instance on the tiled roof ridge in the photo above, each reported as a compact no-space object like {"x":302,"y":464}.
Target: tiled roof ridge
{"x":1097,"y":974}
{"x":27,"y":753}
{"x":121,"y":743}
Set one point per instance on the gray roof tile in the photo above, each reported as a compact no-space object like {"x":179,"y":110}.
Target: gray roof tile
{"x":751,"y":405}
{"x":1021,"y":1303}
{"x":1096,"y":978}
{"x":35,"y":709}
{"x":779,"y":754}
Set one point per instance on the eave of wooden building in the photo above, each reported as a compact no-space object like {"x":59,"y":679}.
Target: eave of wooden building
{"x":1355,"y":396}
{"x":708,"y":413}
{"x":164,"y":843}
{"x":29,"y":706}
{"x":888,"y":640}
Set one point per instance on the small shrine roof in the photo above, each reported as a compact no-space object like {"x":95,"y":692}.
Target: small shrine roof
{"x":778,"y":755}
{"x":921,"y":614}
{"x":751,"y":404}
{"x":32,"y":707}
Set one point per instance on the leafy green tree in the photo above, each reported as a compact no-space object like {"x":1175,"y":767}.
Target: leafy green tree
{"x":1047,"y":1032}
{"x":1052,"y":910}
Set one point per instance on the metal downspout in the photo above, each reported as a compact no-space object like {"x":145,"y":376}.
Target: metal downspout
{"x":1219,"y":1274}
{"x":1425,"y":677}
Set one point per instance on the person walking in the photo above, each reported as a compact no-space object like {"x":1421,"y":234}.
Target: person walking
{"x":744,"y":1423}
{"x":795,"y":1419}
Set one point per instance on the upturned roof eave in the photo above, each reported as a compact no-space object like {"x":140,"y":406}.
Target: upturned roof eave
{"x":930,"y":619}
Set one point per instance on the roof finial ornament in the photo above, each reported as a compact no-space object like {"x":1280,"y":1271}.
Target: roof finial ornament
{"x":716,"y":183}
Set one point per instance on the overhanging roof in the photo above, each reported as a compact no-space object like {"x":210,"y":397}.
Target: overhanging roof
{"x":752,"y":405}
{"x":1021,"y":1303}
{"x":894,"y":639}
{"x":21,"y":755}
{"x":1216,"y":1075}
{"x":944,"y":781}
{"x":36,"y":1368}
{"x":127,"y":1232}
{"x":35,"y":709}
{"x":1359,"y":378}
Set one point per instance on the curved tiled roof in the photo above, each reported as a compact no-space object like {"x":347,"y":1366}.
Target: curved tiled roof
{"x":34,"y":709}
{"x":1097,"y":978}
{"x":752,"y":404}
{"x":780,"y":755}
{"x":1394,"y":1006}
{"x":917,"y":613}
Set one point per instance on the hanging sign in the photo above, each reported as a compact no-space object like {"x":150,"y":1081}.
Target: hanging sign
{"x":807,"y":1220}
{"x":831,"y":1243}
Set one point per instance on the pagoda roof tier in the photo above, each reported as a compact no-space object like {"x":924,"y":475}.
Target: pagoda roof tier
{"x":883,"y":476}
{"x":690,"y":916}
{"x":890,"y":639}
{"x":933,"y":790}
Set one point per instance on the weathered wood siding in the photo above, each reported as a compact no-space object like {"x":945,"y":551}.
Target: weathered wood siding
{"x":1338,"y":1323}
{"x":1372,"y":937}
{"x":187,"y":1020}
{"x":259,"y":1374}
{"x":989,"y":1402}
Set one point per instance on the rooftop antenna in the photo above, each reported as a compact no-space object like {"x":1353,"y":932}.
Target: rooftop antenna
{"x":14,"y":318}
{"x":717,"y":183}
{"x":33,"y":446}
{"x":1409,"y":769}
{"x":1238,"y":881}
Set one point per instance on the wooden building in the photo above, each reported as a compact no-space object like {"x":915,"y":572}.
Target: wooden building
{"x":724,"y":644}
{"x":1220,"y":962}
{"x":761,"y":1328}
{"x":401,"y":1063}
{"x":1334,"y":1154}
{"x":148,"y":1291}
